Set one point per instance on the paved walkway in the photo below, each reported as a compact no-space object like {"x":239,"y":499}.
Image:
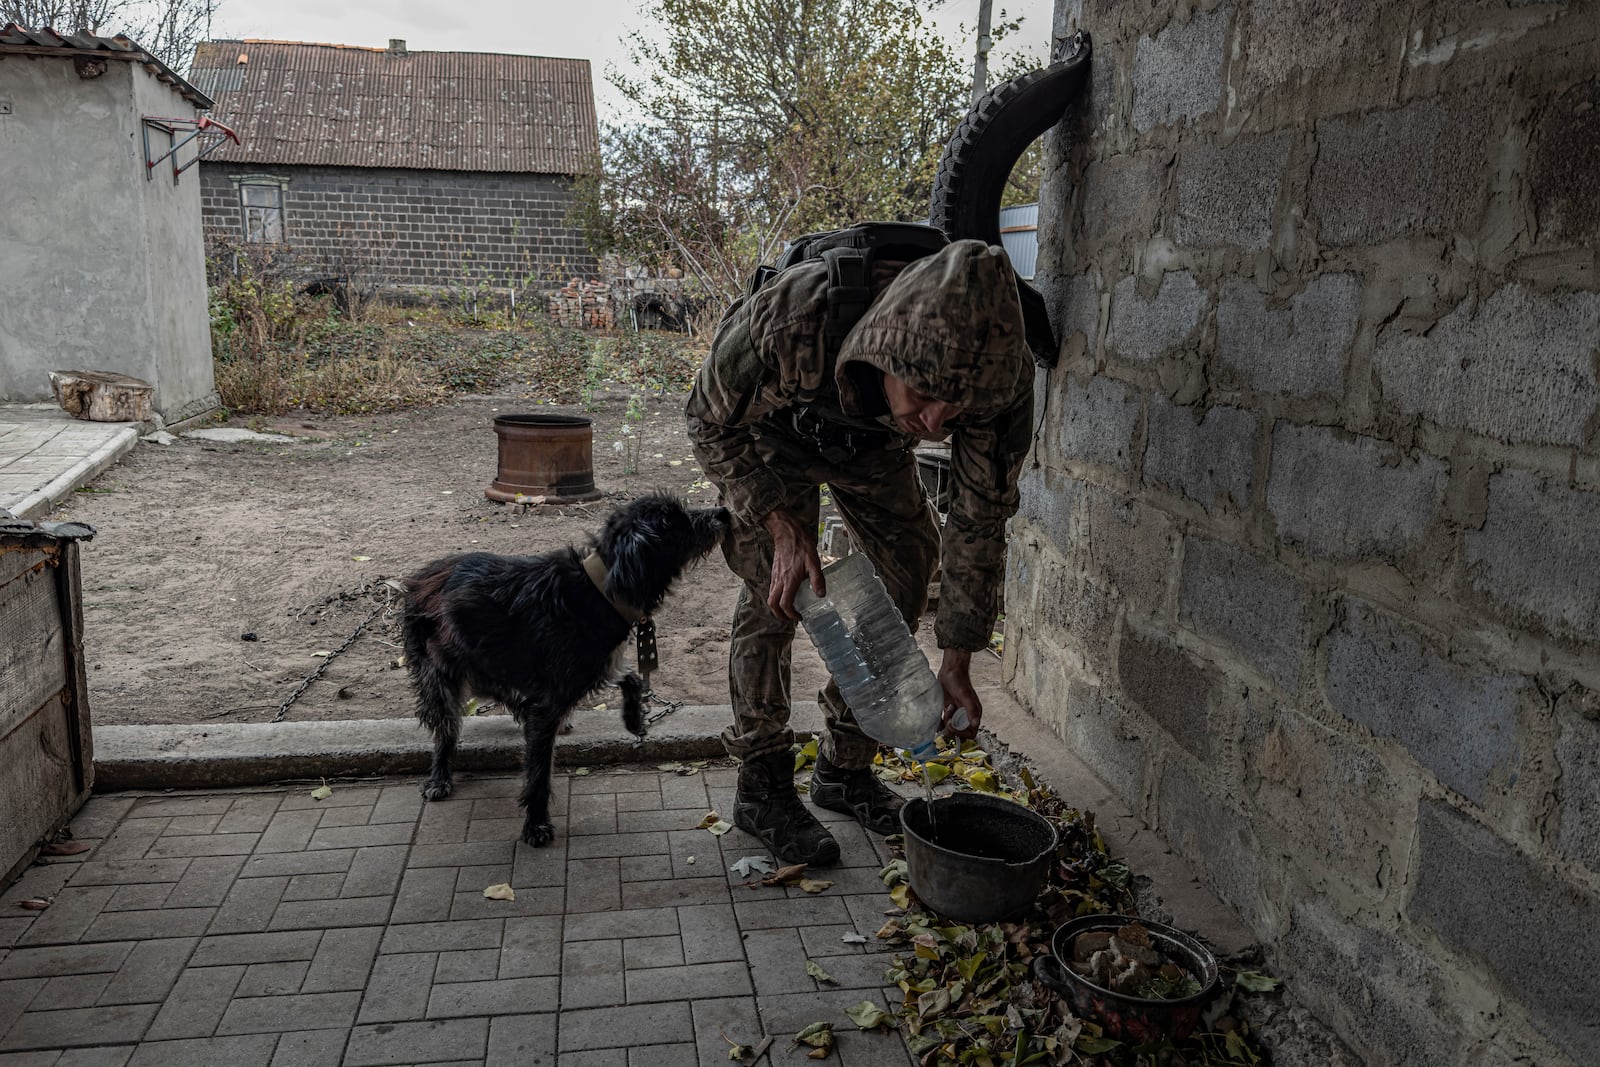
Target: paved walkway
{"x":263,"y":927}
{"x":45,"y":454}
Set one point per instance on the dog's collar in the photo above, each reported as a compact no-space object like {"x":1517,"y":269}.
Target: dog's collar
{"x":595,"y":567}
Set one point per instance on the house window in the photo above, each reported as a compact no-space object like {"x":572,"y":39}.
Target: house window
{"x":262,"y":204}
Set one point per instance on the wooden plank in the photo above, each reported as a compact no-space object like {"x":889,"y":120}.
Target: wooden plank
{"x":36,"y":791}
{"x":69,"y":587}
{"x":32,"y":647}
{"x":18,"y":557}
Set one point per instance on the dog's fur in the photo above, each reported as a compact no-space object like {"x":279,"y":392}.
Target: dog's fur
{"x":534,"y":633}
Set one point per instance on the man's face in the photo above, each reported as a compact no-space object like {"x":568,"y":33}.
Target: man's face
{"x":915,"y":412}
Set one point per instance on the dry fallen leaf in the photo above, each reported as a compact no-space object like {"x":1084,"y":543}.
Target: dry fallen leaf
{"x":815,"y":970}
{"x":579,"y":772}
{"x":36,"y":904}
{"x":322,"y":792}
{"x":745,"y":865}
{"x":719,"y":827}
{"x":901,"y":895}
{"x":814,"y":885}
{"x":854,"y":939}
{"x":362,"y":559}
{"x":705,"y":823}
{"x":64,"y":848}
{"x":502,"y":891}
{"x":785,"y":875}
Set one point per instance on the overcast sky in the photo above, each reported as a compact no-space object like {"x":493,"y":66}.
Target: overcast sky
{"x":582,"y":29}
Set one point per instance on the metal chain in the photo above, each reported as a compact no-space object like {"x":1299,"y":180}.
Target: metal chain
{"x":283,"y":709}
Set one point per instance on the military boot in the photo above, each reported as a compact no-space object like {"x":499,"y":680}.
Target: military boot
{"x":768,"y":806}
{"x":858,"y":793}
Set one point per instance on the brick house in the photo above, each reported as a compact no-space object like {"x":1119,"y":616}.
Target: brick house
{"x":420,"y":170}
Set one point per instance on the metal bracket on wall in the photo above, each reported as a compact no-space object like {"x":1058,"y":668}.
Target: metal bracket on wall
{"x":215,"y":134}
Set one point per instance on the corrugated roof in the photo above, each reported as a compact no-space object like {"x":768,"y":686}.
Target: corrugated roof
{"x":1019,"y":236}
{"x":19,"y":40}
{"x":342,"y":106}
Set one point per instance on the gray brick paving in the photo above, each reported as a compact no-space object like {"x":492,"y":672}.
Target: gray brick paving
{"x":265,"y":927}
{"x":417,"y":1042}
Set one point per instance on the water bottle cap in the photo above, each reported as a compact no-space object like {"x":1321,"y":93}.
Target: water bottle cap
{"x":923,"y":752}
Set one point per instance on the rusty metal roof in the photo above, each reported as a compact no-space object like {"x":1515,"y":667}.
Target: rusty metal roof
{"x":343,"y":106}
{"x":19,"y":40}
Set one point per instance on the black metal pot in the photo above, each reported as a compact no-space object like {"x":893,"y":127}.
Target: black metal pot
{"x":1128,"y":1017}
{"x":979,"y":858}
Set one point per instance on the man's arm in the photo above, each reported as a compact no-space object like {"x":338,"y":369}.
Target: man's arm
{"x":986,"y":461}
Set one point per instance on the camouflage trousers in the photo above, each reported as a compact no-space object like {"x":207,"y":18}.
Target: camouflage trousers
{"x":881,"y":498}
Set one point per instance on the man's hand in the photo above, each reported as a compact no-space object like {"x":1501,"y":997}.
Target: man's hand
{"x":955,"y":675}
{"x":794,"y":559}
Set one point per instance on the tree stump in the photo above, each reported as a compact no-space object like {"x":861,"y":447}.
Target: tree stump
{"x":102,"y":396}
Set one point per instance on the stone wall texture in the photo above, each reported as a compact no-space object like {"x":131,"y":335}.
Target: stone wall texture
{"x":416,"y":229}
{"x":1309,"y":565}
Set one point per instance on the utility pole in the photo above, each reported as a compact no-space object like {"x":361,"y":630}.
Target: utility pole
{"x":980,"y":66}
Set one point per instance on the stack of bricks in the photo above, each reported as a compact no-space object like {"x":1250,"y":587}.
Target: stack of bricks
{"x":585,"y":304}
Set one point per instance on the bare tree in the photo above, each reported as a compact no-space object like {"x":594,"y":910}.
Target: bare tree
{"x":167,"y":29}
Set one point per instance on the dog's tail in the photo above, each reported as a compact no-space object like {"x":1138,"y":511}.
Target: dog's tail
{"x":420,"y":614}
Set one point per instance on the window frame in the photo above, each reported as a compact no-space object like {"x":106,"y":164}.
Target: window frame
{"x":243,"y":186}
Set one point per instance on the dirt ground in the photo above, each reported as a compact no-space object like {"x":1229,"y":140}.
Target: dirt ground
{"x":221,"y":575}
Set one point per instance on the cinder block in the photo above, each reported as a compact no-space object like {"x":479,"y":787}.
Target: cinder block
{"x":1377,"y":175}
{"x":1226,"y":193}
{"x":1098,"y":424}
{"x":1379,"y":991}
{"x":1578,"y":754}
{"x":1457,"y":717}
{"x":1127,"y":545}
{"x":1048,"y":497}
{"x":1107,"y":738}
{"x":1297,"y":350}
{"x":1249,"y":604}
{"x":1144,"y":330}
{"x":1079,"y":615}
{"x":1079,"y":303}
{"x":1206,"y":830}
{"x":1211,"y":460}
{"x":1530,"y":929}
{"x":1336,"y":496}
{"x":1122,"y":195}
{"x":1170,"y":686}
{"x":1177,"y":74}
{"x":1330,"y":794}
{"x":1539,"y":552}
{"x":1560,"y":177}
{"x":1518,"y":367}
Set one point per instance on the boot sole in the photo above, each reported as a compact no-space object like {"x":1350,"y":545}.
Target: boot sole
{"x":826,"y":855}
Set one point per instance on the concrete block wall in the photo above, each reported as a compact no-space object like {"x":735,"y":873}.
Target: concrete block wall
{"x":416,"y":228}
{"x":1308,"y":561}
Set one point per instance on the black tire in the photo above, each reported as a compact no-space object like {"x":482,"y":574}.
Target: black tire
{"x":978,"y":159}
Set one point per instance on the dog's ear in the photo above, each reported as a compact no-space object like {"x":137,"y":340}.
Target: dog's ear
{"x":630,"y":570}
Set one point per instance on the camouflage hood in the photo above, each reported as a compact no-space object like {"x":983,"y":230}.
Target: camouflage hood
{"x":950,"y":326}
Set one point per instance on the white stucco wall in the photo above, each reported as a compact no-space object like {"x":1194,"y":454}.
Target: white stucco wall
{"x":100,"y":269}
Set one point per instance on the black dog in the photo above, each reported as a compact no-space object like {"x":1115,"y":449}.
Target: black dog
{"x":537,"y":634}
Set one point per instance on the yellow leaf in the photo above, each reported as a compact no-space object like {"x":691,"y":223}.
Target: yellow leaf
{"x":322,"y":792}
{"x":901,"y":895}
{"x":362,"y":559}
{"x":814,"y":885}
{"x":502,"y":891}
{"x":719,"y":827}
{"x":983,"y":781}
{"x":705,"y":823}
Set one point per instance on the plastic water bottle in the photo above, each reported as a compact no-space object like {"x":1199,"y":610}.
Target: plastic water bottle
{"x":881,"y":671}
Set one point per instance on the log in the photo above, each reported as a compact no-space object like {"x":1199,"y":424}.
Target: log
{"x":102,"y":396}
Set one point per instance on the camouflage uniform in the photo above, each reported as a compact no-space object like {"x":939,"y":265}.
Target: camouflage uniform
{"x":771,"y":418}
